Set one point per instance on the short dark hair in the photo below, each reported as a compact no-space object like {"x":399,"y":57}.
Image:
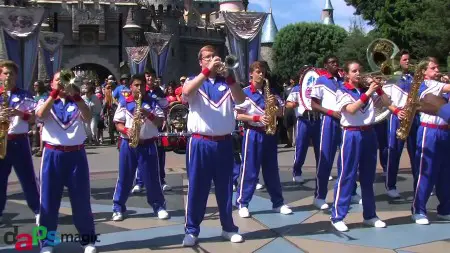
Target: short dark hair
{"x":140,"y":77}
{"x":150,"y":72}
{"x":328,"y":57}
{"x":403,"y":52}
{"x":258,"y":65}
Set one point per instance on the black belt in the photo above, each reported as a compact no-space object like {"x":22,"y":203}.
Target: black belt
{"x":310,"y":115}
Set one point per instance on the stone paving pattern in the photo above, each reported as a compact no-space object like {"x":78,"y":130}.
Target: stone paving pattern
{"x":307,"y":230}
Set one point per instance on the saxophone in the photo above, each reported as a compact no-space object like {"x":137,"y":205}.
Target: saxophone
{"x":411,"y":106}
{"x":270,"y":110}
{"x":135,"y":130}
{"x":4,"y":121}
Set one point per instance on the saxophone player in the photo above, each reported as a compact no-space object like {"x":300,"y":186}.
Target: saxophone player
{"x":209,"y":154}
{"x":433,"y":143}
{"x":145,"y":155}
{"x":64,"y":162}
{"x":399,"y":93}
{"x":18,"y":155}
{"x":323,"y":100}
{"x":258,"y":148}
{"x":357,"y":107}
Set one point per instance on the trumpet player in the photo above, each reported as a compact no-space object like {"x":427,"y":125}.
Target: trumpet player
{"x":145,"y":155}
{"x":433,"y":143}
{"x":399,"y":94}
{"x":64,"y":162}
{"x":357,"y":106}
{"x":19,"y":112}
{"x":323,"y":100}
{"x":209,"y":154}
{"x":258,"y":148}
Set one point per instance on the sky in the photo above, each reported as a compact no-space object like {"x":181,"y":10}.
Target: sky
{"x":292,"y":11}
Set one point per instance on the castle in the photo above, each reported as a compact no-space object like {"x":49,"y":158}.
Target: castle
{"x":97,"y":32}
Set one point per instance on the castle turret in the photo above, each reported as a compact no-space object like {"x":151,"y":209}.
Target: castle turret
{"x":327,"y":13}
{"x":269,"y":33}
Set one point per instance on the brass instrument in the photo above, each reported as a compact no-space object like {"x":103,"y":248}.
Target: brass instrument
{"x":381,"y":55}
{"x":66,"y":77}
{"x":135,"y":130}
{"x":270,"y":110}
{"x":231,"y":62}
{"x":412,"y":103}
{"x":4,"y":121}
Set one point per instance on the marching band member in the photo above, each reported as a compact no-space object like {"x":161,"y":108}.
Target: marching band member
{"x":357,"y":105}
{"x":258,"y":148}
{"x":433,"y":143}
{"x":144,"y":156}
{"x":210,"y":149}
{"x":157,"y":94}
{"x":18,"y":154}
{"x":64,"y":162}
{"x":323,"y":100}
{"x":307,"y":128}
{"x":435,"y":105}
{"x":399,"y":94}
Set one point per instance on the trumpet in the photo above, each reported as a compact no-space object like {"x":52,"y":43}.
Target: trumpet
{"x":231,"y":62}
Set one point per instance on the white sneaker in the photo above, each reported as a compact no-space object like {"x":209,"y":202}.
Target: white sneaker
{"x":90,"y":248}
{"x":166,"y":187}
{"x":47,"y":249}
{"x":330,"y":178}
{"x":420,"y":219}
{"x":232,"y":236}
{"x":137,"y":189}
{"x":189,"y":240}
{"x":321,"y":204}
{"x":340,"y":226}
{"x":356,"y":199}
{"x":298,"y":179}
{"x":444,"y":217}
{"x":37,"y":218}
{"x":259,"y":186}
{"x":284,"y":209}
{"x":375,"y":222}
{"x":393,"y":194}
{"x":244,"y":213}
{"x":117,"y":216}
{"x":163,"y":214}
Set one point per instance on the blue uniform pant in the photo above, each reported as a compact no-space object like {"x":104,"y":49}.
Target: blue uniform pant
{"x":236,"y":168}
{"x":259,"y":150}
{"x":382,"y":138}
{"x":305,"y":131}
{"x":162,"y":165}
{"x":208,"y":160}
{"x":144,"y":157}
{"x":358,"y":153}
{"x":18,"y":155}
{"x":433,"y":147}
{"x":330,"y":139}
{"x":395,"y":149}
{"x":68,"y":169}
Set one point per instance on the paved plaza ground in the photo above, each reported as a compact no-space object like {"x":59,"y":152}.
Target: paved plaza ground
{"x":307,"y":230}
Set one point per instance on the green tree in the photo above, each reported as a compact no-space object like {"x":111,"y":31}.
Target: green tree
{"x":302,"y":44}
{"x":420,"y":26}
{"x":355,"y":45}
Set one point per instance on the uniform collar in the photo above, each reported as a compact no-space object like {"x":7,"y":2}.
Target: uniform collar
{"x":324,"y":72}
{"x":349,"y":86}
{"x":12,"y":90}
{"x":253,"y":88}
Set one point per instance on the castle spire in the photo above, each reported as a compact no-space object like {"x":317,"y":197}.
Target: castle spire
{"x":327,"y":13}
